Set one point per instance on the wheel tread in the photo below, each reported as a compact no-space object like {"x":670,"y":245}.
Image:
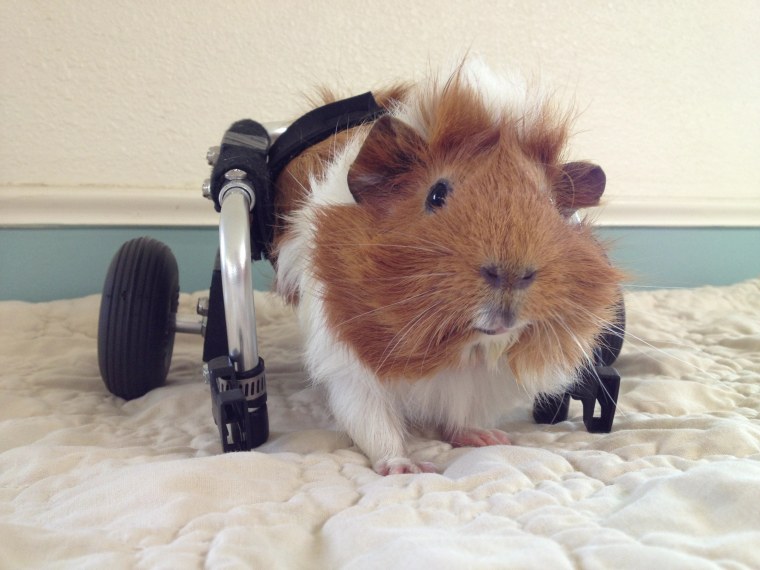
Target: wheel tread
{"x":135,"y":335}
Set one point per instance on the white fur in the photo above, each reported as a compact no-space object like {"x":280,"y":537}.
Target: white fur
{"x":505,"y":95}
{"x":294,"y":256}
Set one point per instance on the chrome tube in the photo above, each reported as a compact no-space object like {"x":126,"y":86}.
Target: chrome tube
{"x":275,"y":129}
{"x":237,"y":285}
{"x":189,"y":327}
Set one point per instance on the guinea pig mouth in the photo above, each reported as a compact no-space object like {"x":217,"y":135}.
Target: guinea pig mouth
{"x":495,"y":332}
{"x":496,"y":322}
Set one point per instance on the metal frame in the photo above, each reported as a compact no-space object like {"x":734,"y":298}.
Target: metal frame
{"x":237,"y":284}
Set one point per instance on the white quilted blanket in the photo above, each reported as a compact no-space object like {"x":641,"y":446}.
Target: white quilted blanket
{"x":90,"y":481}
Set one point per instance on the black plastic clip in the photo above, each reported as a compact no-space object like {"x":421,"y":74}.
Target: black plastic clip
{"x":238,"y":404}
{"x":597,"y":384}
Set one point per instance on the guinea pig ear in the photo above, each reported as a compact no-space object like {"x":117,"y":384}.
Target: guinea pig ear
{"x":580,"y":185}
{"x":389,"y":153}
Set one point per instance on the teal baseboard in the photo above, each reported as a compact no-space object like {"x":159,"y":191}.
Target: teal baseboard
{"x":41,"y":264}
{"x":685,"y":257}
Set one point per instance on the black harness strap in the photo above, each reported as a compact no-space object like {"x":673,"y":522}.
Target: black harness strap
{"x":245,"y":147}
{"x":319,"y":124}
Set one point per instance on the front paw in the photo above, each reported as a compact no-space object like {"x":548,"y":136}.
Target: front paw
{"x":471,"y":437}
{"x":400,"y":465}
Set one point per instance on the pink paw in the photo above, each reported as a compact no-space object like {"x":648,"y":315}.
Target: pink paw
{"x":471,"y":437}
{"x":400,"y":465}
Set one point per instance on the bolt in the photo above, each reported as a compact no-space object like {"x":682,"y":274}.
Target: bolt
{"x":212,"y":155}
{"x":206,"y":188}
{"x":236,"y":174}
{"x":202,"y":306}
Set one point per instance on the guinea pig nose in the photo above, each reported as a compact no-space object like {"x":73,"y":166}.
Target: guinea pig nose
{"x":525,"y":279}
{"x":492,"y":275}
{"x":500,"y":277}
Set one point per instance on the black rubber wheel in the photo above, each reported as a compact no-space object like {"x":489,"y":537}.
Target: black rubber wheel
{"x":611,"y":340}
{"x":138,"y":318}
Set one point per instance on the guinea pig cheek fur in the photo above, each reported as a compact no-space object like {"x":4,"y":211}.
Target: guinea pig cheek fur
{"x":557,"y":316}
{"x":571,"y":301}
{"x":394,"y":287}
{"x":404,"y":288}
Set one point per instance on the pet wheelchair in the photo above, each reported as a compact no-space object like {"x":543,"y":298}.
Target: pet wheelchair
{"x":138,"y":314}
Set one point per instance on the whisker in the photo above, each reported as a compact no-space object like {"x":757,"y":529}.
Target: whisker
{"x":589,"y":361}
{"x":391,"y":245}
{"x":306,"y":190}
{"x":414,"y":277}
{"x":433,"y":335}
{"x":399,"y":337}
{"x":636,"y":286}
{"x":428,"y":315}
{"x":681,"y":360}
{"x":627,"y":333}
{"x":384,"y":307}
{"x":438,"y":245}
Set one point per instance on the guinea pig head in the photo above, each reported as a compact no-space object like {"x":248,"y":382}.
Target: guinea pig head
{"x":461,"y":238}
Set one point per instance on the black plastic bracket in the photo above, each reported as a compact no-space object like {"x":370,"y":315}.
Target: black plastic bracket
{"x":598,"y":384}
{"x":215,"y":338}
{"x":238,"y":403}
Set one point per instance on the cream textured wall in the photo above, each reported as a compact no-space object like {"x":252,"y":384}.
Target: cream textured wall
{"x":105,"y":99}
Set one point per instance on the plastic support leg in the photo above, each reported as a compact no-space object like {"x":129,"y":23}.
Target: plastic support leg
{"x":238,"y":404}
{"x":215,"y":337}
{"x":598,"y":384}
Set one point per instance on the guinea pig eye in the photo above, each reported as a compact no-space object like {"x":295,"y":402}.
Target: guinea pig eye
{"x":437,"y":195}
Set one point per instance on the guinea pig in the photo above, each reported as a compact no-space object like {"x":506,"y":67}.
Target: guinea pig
{"x":436,"y":263}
